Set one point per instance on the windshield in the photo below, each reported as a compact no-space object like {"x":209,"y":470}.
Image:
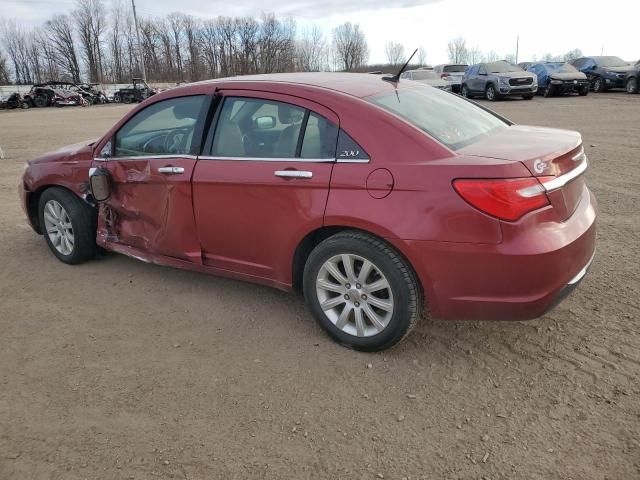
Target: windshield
{"x":424,"y":75}
{"x":612,"y":62}
{"x":455,"y":68}
{"x":502,"y":67}
{"x":453,"y":121}
{"x":560,"y":68}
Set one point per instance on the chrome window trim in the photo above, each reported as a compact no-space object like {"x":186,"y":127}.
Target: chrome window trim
{"x":146,"y":157}
{"x":269,"y":159}
{"x":562,"y":180}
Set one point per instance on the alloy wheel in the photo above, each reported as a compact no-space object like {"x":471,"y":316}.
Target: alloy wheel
{"x":59,"y":228}
{"x":491,"y":93}
{"x":355,"y":295}
{"x":632,"y":85}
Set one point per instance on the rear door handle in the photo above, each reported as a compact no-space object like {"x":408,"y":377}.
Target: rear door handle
{"x":171,"y":170}
{"x":293,"y":174}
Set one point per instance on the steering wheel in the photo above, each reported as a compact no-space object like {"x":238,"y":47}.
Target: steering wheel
{"x":175,"y":141}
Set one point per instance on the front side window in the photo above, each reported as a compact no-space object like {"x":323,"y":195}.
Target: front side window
{"x":259,"y":128}
{"x":163,"y":128}
{"x":449,"y":119}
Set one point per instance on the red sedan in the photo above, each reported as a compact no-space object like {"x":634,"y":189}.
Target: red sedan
{"x":375,"y":198}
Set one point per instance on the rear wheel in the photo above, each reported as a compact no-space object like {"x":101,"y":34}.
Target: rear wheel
{"x":69,"y":225}
{"x":127,"y":99}
{"x":632,"y":85}
{"x":361,"y":291}
{"x":25,"y":105}
{"x":598,"y":85}
{"x":490,"y":93}
{"x":465,"y":92}
{"x":117,"y":98}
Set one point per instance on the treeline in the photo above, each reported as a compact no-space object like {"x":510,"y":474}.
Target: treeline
{"x":97,"y":43}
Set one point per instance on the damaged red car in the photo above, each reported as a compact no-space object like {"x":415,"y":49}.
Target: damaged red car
{"x":378,"y":199}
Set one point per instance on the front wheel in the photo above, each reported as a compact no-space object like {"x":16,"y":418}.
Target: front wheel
{"x":361,"y":291}
{"x":68,"y":225}
{"x":598,"y":85}
{"x":549,"y":91}
{"x":527,"y":97}
{"x":491,"y":93}
{"x":632,"y":85}
{"x":117,"y":98}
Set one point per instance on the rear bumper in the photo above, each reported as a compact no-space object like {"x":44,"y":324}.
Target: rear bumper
{"x":531,"y":271}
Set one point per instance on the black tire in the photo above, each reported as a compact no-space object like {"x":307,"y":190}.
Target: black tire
{"x":117,"y":98}
{"x":583,"y":92}
{"x":528,"y":96}
{"x":491,"y":93}
{"x":25,"y":105}
{"x":550,"y":91}
{"x":464,"y":91}
{"x":41,"y":101}
{"x":407,"y":294}
{"x":632,"y":85}
{"x":598,"y":85}
{"x":83,"y":221}
{"x":127,"y":99}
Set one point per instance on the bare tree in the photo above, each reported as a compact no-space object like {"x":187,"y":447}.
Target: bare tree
{"x":4,"y":70}
{"x":511,"y":58}
{"x":475,"y":55}
{"x":491,"y":56}
{"x":276,"y":44}
{"x":457,"y":50}
{"x":60,"y":35}
{"x":312,"y":50}
{"x":89,"y":21}
{"x":394,"y":52}
{"x":350,"y":46}
{"x":248,"y":40}
{"x":16,"y":44}
{"x":192,"y":28}
{"x":572,"y":55}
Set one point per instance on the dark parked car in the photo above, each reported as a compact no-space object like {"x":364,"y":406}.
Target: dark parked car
{"x":375,"y":198}
{"x":136,"y":92}
{"x":632,"y":80}
{"x":497,"y":80}
{"x":53,"y":94}
{"x":452,"y":74}
{"x":14,"y":100}
{"x":559,"y":78}
{"x":603,"y":72}
{"x":427,"y":76}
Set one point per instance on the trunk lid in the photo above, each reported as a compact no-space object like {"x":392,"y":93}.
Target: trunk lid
{"x":556,"y":157}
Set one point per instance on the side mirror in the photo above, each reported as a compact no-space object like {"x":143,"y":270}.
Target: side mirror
{"x":265,"y":123}
{"x":99,"y":183}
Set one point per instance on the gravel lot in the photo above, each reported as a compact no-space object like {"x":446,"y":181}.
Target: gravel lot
{"x":118,"y":369}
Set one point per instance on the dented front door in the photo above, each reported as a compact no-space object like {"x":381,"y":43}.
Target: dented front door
{"x":150,"y":161}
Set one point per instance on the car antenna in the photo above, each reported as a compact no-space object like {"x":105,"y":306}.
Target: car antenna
{"x":396,"y":78}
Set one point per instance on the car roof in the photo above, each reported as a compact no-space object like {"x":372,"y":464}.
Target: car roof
{"x":355,"y":84}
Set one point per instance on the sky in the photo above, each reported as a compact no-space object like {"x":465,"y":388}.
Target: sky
{"x":544,"y":26}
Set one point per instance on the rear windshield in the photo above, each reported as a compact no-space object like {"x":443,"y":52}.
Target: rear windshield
{"x":502,"y":67}
{"x":424,"y":75}
{"x":612,"y":62}
{"x":455,"y":68}
{"x":452,"y":120}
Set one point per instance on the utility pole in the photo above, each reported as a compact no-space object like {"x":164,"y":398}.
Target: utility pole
{"x":135,"y":19}
{"x":517,"y":47}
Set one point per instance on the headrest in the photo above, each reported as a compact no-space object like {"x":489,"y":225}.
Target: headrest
{"x":285,"y":114}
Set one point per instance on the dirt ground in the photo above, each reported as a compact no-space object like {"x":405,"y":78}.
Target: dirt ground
{"x":117,"y":369}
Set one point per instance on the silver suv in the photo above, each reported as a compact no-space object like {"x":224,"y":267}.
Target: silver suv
{"x":497,"y":80}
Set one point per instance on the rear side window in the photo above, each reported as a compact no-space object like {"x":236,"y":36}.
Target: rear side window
{"x":261,"y":128}
{"x":164,"y":128}
{"x":451,"y":120}
{"x":348,"y":148}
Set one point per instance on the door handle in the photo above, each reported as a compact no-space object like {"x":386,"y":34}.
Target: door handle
{"x":171,"y":170}
{"x":293,"y":174}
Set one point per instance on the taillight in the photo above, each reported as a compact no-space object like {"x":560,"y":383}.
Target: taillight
{"x":444,"y":75}
{"x":507,"y":198}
